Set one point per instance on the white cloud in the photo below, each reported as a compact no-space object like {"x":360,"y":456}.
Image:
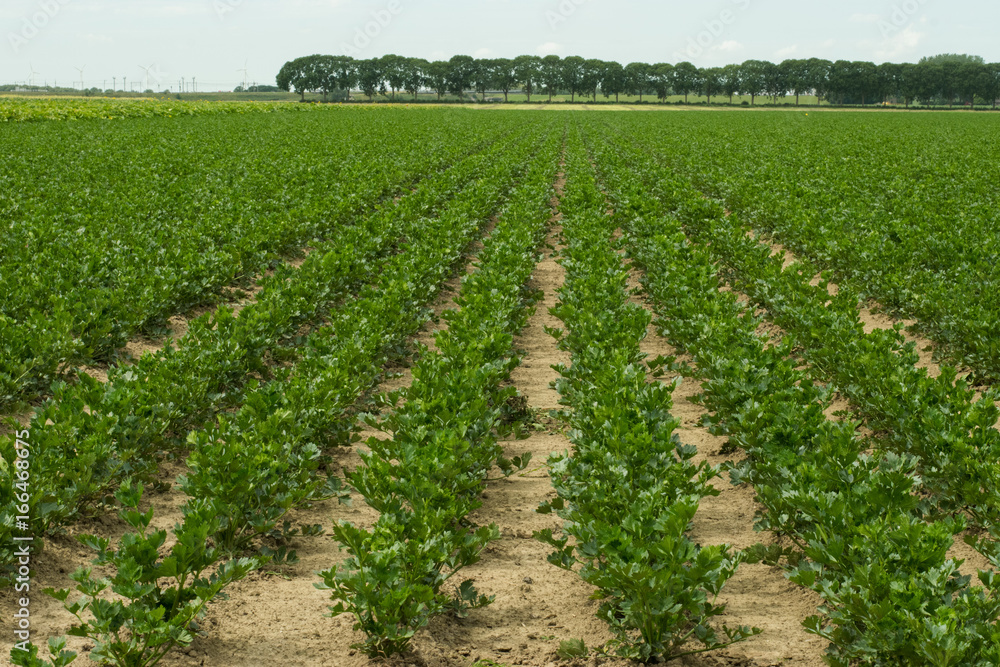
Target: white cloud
{"x":483,"y":53}
{"x":787,"y":51}
{"x":728,"y":46}
{"x":865,"y":18}
{"x":549,"y":49}
{"x":902,"y":43}
{"x":830,"y":43}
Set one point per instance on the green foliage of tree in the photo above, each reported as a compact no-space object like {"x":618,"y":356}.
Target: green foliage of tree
{"x":461,"y":70}
{"x":943,"y":79}
{"x":613,"y":80}
{"x":528,"y":70}
{"x":573,"y":76}
{"x":686,"y":79}
{"x":552,"y":75}
{"x":638,"y":79}
{"x":754,"y":78}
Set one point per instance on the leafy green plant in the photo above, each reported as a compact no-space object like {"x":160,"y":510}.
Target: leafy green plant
{"x":158,"y":599}
{"x":867,"y":538}
{"x":428,"y":476}
{"x":630,"y":490}
{"x":571,"y":649}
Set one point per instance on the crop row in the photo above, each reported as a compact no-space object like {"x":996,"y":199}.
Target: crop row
{"x":110,"y":230}
{"x":863,"y":539}
{"x":426,"y":478}
{"x":91,"y":436}
{"x":630,"y":490}
{"x":895,"y":211}
{"x":940,"y":421}
{"x":250,"y":469}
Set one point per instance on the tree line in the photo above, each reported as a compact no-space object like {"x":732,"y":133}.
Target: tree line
{"x":940,"y":80}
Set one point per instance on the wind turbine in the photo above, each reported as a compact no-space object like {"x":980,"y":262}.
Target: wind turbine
{"x":33,"y":73}
{"x":80,"y":70}
{"x":146,"y":69}
{"x":244,"y":70}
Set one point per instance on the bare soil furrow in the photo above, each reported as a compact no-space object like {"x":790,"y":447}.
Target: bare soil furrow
{"x":757,"y":595}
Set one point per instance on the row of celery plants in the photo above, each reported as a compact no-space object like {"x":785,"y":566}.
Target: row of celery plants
{"x":892,"y":596}
{"x":630,"y":490}
{"x":428,"y":476}
{"x":259,"y":463}
{"x":131,"y":228}
{"x":250,"y":469}
{"x":941,"y":421}
{"x":886,"y":203}
{"x":90,"y":436}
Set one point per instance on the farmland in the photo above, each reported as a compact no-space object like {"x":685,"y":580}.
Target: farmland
{"x":461,"y":387}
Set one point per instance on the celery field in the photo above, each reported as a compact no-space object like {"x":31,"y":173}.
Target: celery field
{"x":443,"y":386}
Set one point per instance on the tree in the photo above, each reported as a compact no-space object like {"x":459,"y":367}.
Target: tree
{"x":818,"y":77}
{"x":730,"y":81}
{"x":414,"y":77}
{"x":990,"y":88}
{"x":505,"y":76}
{"x":301,"y":74}
{"x":437,"y":76}
{"x":325,"y":77}
{"x":951,"y":58}
{"x":865,"y":81}
{"x":393,"y":71}
{"x":839,"y":79}
{"x":753,"y":75}
{"x":572,"y":75}
{"x":711,"y":82}
{"x":345,"y":72}
{"x":887,"y":79}
{"x":370,"y":79}
{"x":591,"y":74}
{"x":552,"y":75}
{"x":929,"y":83}
{"x":908,"y":84}
{"x":482,"y":76}
{"x":796,"y":75}
{"x":967,"y":80}
{"x":686,"y":79}
{"x":662,"y":80}
{"x":775,"y":83}
{"x":613,"y":80}
{"x":461,"y":70}
{"x":528,"y":73}
{"x":638,"y":79}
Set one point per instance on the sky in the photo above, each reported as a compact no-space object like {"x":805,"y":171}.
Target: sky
{"x":213,"y":41}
